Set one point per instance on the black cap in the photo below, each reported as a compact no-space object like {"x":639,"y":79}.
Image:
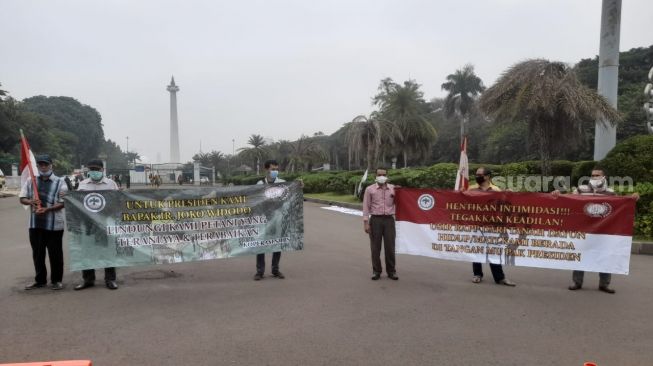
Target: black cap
{"x":45,"y":158}
{"x":95,"y":163}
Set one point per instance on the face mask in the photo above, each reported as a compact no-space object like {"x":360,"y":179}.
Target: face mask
{"x":95,"y":175}
{"x":597,"y":183}
{"x":381,"y":179}
{"x":46,"y":174}
{"x":274,"y":174}
{"x":480,"y":179}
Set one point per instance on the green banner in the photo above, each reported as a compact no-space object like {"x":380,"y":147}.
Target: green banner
{"x":154,"y":226}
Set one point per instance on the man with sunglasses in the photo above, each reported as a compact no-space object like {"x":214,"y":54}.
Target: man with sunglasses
{"x":484,"y":183}
{"x":46,"y":223}
{"x":379,"y":223}
{"x":97,"y":181}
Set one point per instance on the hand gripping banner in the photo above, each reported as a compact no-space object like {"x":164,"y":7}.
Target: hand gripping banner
{"x":590,"y":233}
{"x":140,"y":227}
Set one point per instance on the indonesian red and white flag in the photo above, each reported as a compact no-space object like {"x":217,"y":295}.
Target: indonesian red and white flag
{"x":27,"y":163}
{"x":462,"y":178}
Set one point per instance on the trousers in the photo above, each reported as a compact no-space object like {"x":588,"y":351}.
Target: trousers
{"x":382,"y":233}
{"x":260,"y":262}
{"x":497,"y":271}
{"x":41,"y":241}
{"x":604,"y":278}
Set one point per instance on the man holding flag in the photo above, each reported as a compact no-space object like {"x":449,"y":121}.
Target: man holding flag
{"x":483,"y":183}
{"x":43,"y":194}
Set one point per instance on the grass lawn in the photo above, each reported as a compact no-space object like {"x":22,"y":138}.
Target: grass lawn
{"x":334,"y":197}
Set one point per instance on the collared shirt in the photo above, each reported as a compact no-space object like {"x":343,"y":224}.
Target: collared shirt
{"x":265,"y":181}
{"x":104,"y":184}
{"x":491,"y":187}
{"x":49,"y":190}
{"x":379,"y":200}
{"x":587,"y":190}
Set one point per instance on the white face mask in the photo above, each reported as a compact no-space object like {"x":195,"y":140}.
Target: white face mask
{"x":597,"y":183}
{"x":381,"y":179}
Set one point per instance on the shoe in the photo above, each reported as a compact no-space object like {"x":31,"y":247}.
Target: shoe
{"x":258,"y":276}
{"x":507,"y":282}
{"x":111,"y":285}
{"x":84,"y":285}
{"x":376,"y":277}
{"x":575,"y":287}
{"x":477,"y":279}
{"x":34,"y":285}
{"x":607,"y":289}
{"x":392,"y":276}
{"x":278,"y":275}
{"x":57,"y":286}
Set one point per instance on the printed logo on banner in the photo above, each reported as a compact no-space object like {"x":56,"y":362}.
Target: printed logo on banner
{"x":598,"y":209}
{"x":426,"y":202}
{"x":94,"y":202}
{"x":276,"y":192}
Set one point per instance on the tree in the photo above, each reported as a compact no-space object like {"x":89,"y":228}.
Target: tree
{"x":304,"y":152}
{"x":256,"y":152}
{"x":68,"y":114}
{"x":404,"y":105}
{"x":463,"y":87}
{"x":365,"y":135}
{"x":552,"y":101}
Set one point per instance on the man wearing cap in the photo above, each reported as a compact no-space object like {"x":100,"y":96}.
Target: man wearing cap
{"x":46,"y":223}
{"x":96,"y":181}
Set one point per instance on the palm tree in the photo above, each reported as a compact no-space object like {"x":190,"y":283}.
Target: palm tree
{"x":257,"y":151}
{"x":552,"y":101}
{"x":305,"y":152}
{"x":365,"y":135}
{"x":405,"y":106}
{"x":463,"y":87}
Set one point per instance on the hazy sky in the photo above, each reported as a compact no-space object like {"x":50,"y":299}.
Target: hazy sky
{"x":275,"y":68}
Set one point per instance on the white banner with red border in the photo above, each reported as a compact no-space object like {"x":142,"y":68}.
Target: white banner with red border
{"x":590,"y":233}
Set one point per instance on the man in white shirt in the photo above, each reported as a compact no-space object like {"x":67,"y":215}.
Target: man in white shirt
{"x":97,"y":181}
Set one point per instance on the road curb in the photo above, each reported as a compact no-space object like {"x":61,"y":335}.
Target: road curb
{"x":355,"y":206}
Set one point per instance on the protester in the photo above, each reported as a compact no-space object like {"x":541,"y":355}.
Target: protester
{"x":116,"y":178}
{"x":97,"y":181}
{"x":484,"y":184}
{"x":271,"y":177}
{"x":46,"y":223}
{"x":379,"y":223}
{"x":598,"y":185}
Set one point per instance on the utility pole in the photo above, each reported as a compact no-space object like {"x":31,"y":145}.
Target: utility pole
{"x":605,"y":136}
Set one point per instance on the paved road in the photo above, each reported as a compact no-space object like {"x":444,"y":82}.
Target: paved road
{"x":327,"y":311}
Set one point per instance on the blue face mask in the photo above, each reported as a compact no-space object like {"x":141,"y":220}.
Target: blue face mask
{"x":95,"y":175}
{"x":274,"y":174}
{"x":46,"y":174}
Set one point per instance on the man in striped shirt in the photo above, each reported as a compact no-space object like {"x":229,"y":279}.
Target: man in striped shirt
{"x":46,"y":223}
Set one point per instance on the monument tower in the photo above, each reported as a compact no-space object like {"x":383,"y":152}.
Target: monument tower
{"x":174,"y":124}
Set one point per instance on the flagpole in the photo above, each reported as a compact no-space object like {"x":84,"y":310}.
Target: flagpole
{"x":35,"y":189}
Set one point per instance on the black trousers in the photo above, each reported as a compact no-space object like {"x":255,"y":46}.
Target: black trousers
{"x":497,"y":271}
{"x":42,"y":240}
{"x":260,"y":262}
{"x":89,"y":275}
{"x":382,"y":232}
